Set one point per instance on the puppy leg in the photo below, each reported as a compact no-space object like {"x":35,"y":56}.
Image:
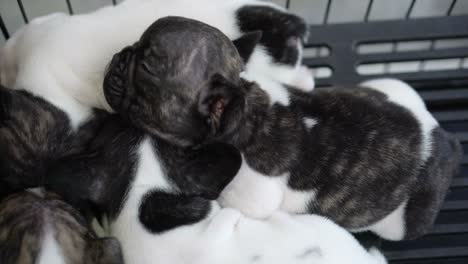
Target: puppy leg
{"x":162,"y":211}
{"x":252,"y":193}
{"x":433,"y":183}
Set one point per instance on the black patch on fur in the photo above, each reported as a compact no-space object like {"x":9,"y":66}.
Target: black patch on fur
{"x":246,"y":44}
{"x":368,"y":240}
{"x":34,"y":135}
{"x":102,"y":175}
{"x":161,"y":211}
{"x":203,"y":172}
{"x":281,"y":30}
{"x":362,"y":158}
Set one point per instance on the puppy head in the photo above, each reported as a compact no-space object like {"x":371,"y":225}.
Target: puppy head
{"x":33,"y":220}
{"x":177,"y":82}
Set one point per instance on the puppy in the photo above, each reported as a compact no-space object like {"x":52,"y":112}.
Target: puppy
{"x":161,"y":198}
{"x":327,"y":152}
{"x":41,"y":228}
{"x":63,"y":58}
{"x":34,"y":134}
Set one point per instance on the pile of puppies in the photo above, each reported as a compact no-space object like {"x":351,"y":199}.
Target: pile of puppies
{"x":200,"y":141}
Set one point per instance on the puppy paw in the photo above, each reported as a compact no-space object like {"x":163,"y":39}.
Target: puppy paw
{"x":304,"y":79}
{"x":256,"y":196}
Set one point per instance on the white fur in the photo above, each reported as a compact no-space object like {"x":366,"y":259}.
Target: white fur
{"x":261,"y":64}
{"x":297,"y":201}
{"x":62,"y":58}
{"x":276,"y":91}
{"x":404,"y":95}
{"x":226,"y":236}
{"x":392,"y":227}
{"x":39,"y":191}
{"x":255,"y":194}
{"x":310,"y":122}
{"x":50,"y":250}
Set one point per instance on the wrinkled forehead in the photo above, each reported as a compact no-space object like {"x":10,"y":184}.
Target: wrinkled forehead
{"x":188,"y":52}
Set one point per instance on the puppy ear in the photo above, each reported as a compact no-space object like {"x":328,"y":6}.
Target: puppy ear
{"x":104,"y":251}
{"x":295,"y":26}
{"x":214,"y":100}
{"x":246,"y":44}
{"x":118,"y":79}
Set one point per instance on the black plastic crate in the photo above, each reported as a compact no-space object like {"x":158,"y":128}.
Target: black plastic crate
{"x":445,"y":91}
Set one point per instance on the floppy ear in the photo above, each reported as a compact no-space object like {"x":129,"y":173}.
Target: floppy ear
{"x":104,"y":251}
{"x":246,"y":44}
{"x":295,"y":26}
{"x":215,"y":98}
{"x":118,"y":79}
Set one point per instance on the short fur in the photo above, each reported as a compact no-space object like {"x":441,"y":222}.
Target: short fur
{"x":56,"y":56}
{"x":166,"y":210}
{"x":163,"y":196}
{"x":327,"y":152}
{"x":26,"y":219}
{"x":364,"y":149}
{"x":33,"y":135}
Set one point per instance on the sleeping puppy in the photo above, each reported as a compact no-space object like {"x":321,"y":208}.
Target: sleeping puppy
{"x":327,"y":152}
{"x":161,"y":203}
{"x":42,"y":229}
{"x":63,"y":58}
{"x":161,"y":198}
{"x":33,"y":135}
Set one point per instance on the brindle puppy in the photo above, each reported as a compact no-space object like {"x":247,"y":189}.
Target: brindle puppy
{"x":37,"y":229}
{"x":371,"y":158}
{"x":33,"y":135}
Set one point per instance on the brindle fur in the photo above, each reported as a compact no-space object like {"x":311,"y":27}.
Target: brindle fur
{"x":362,"y":159}
{"x":33,"y":135}
{"x":25,"y":218}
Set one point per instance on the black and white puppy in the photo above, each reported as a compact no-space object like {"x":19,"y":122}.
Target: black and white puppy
{"x":370,"y":158}
{"x":39,"y":228}
{"x":161,"y":203}
{"x":63,"y":58}
{"x":161,"y":198}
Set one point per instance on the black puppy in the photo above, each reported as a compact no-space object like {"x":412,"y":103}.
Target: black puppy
{"x":370,"y":158}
